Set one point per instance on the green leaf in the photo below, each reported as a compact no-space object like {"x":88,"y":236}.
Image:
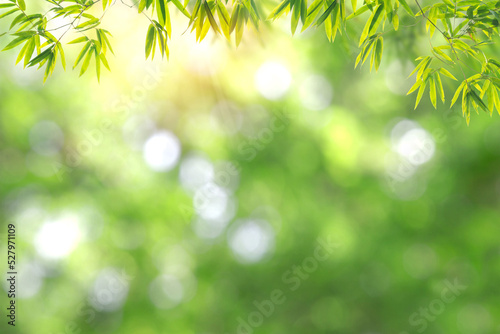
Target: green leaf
{"x":104,"y":61}
{"x":360,"y":11}
{"x":8,"y":13}
{"x":415,"y":86}
{"x":21,"y":4}
{"x":420,"y":94}
{"x":211,"y":18}
{"x":42,"y":56}
{"x":224,"y":18}
{"x":457,"y":92}
{"x":239,"y":29}
{"x":150,"y":39}
{"x":234,"y":18}
{"x":168,"y":23}
{"x":196,"y":10}
{"x":478,"y":100}
{"x":82,"y":54}
{"x":51,"y":63}
{"x":183,"y":9}
{"x":443,"y":55}
{"x":160,"y":11}
{"x":279,"y":10}
{"x":406,"y":7}
{"x":446,"y":73}
{"x":303,"y":11}
{"x":29,"y":51}
{"x":440,"y":86}
{"x":79,"y":40}
{"x":142,"y":6}
{"x":22,"y":52}
{"x":327,"y":12}
{"x":89,"y":23}
{"x":97,"y":64}
{"x":16,"y":42}
{"x":295,"y":15}
{"x":106,"y":40}
{"x":86,"y":61}
{"x":395,"y":21}
{"x":379,"y":49}
{"x":368,"y":26}
{"x":432,"y":92}
{"x":376,"y":19}
{"x":61,"y":52}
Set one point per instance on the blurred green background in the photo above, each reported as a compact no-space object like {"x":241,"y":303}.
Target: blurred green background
{"x":184,"y":196}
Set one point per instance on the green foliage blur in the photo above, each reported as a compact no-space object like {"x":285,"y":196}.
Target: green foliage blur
{"x":203,"y":194}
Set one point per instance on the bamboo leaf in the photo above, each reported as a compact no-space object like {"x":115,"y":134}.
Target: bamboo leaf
{"x":420,"y":94}
{"x":327,"y":12}
{"x":279,"y":10}
{"x":79,"y":40}
{"x":432,"y":92}
{"x":61,"y":52}
{"x":21,"y":4}
{"x":150,"y":40}
{"x":82,"y":54}
{"x":440,"y":86}
{"x":211,"y":18}
{"x":183,"y":9}
{"x":379,"y":48}
{"x":457,"y":93}
{"x":406,"y":7}
{"x":86,"y":61}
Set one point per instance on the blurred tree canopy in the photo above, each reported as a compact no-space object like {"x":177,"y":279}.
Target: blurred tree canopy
{"x":269,"y":188}
{"x":466,"y":31}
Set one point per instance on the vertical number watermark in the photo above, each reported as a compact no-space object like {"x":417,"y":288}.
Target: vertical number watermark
{"x":11,"y":274}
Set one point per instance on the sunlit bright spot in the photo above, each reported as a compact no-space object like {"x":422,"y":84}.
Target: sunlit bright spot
{"x":212,"y":228}
{"x":28,"y":77}
{"x":398,"y":167}
{"x":208,"y":229}
{"x":227,"y":117}
{"x":270,"y":215}
{"x":110,"y":290}
{"x":250,"y":240}
{"x":273,"y":80}
{"x":46,"y":138}
{"x":195,"y":171}
{"x":29,"y":279}
{"x":28,"y":214}
{"x":420,"y":261}
{"x":210,"y":201}
{"x":92,"y":223}
{"x":56,"y":239}
{"x":166,"y":292}
{"x":174,"y":259}
{"x":396,"y":77}
{"x":412,"y":142}
{"x":204,"y":58}
{"x":136,"y":131}
{"x":162,"y":151}
{"x":227,"y":175}
{"x":316,"y":92}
